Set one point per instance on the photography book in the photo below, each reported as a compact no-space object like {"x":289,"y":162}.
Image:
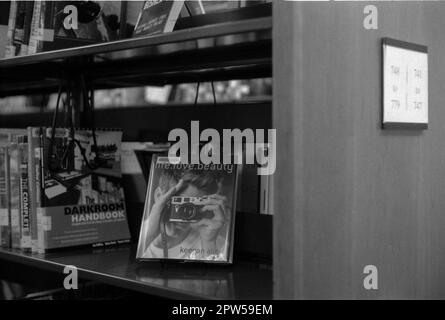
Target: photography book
{"x":157,"y":17}
{"x":189,"y":212}
{"x":78,"y":190}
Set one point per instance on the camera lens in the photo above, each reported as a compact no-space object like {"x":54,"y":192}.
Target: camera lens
{"x":187,"y":211}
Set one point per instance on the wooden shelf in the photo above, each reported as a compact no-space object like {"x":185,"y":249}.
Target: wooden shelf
{"x":117,"y":267}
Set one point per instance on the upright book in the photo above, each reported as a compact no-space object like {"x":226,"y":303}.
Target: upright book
{"x":4,"y":17}
{"x":14,"y":193}
{"x":5,"y":223}
{"x":25,"y":221}
{"x":10,"y":48}
{"x":12,"y":176}
{"x":79,"y":198}
{"x":189,"y":212}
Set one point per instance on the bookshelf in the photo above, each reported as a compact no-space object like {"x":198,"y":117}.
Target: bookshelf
{"x":117,"y":267}
{"x":239,"y":49}
{"x":222,"y":51}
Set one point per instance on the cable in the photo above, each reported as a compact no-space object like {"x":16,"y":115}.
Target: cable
{"x":197,"y":46}
{"x":197,"y":94}
{"x":53,"y":131}
{"x":213,"y":91}
{"x":89,"y":104}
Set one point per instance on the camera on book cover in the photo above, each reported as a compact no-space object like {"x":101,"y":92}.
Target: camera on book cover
{"x":187,"y":209}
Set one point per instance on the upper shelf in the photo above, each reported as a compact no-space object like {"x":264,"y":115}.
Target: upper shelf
{"x":228,"y":50}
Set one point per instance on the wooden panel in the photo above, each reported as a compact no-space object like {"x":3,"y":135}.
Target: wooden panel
{"x":356,"y":195}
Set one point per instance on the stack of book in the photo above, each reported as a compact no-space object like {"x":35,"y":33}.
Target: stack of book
{"x":61,"y":189}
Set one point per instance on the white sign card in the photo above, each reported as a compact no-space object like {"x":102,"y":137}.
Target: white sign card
{"x":405,"y":85}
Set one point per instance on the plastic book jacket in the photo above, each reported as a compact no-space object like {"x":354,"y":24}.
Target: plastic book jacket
{"x":189,"y":212}
{"x":81,"y":194}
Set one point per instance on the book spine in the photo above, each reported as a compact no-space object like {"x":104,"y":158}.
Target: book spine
{"x":35,"y":27}
{"x":265,"y":186}
{"x":19,"y":37}
{"x":5,"y":235}
{"x":14,"y":195}
{"x":46,"y":29}
{"x":264,"y":194}
{"x":25,"y":225}
{"x":29,"y":7}
{"x":40,"y":183}
{"x":9,"y":49}
{"x":32,"y":188}
{"x":8,"y":193}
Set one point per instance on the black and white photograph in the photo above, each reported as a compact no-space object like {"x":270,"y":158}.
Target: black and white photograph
{"x":221,"y":159}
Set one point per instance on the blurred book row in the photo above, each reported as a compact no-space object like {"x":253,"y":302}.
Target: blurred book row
{"x":225,"y":92}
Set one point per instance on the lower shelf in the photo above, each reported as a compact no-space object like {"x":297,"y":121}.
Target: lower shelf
{"x":118,"y":267}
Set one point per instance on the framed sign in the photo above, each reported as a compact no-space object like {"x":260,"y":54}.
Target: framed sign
{"x":405,"y":85}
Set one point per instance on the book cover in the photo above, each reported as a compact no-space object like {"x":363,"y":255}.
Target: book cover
{"x":81,"y":196}
{"x":189,"y":212}
{"x":157,"y":17}
{"x":25,"y":224}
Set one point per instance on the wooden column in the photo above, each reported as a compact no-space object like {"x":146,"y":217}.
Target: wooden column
{"x":346,"y":193}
